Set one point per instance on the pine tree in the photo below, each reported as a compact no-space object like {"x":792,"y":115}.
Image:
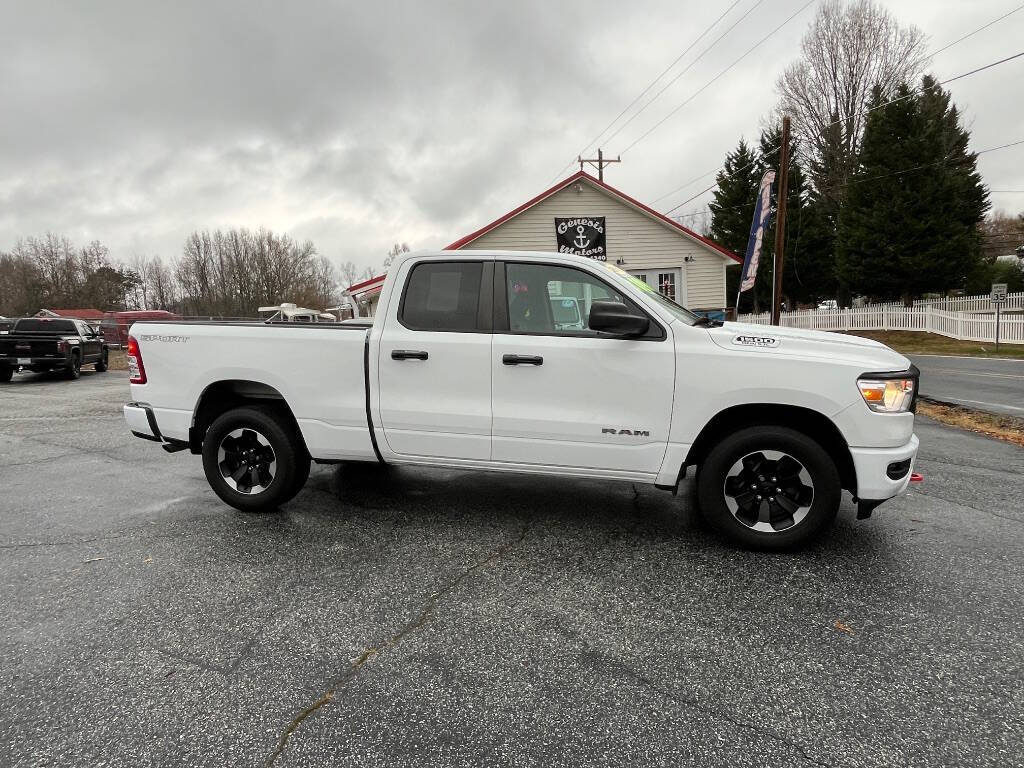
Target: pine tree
{"x":733,"y":206}
{"x":909,"y":224}
{"x":809,"y":267}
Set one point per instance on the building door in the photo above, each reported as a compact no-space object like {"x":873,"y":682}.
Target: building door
{"x":564,"y":395}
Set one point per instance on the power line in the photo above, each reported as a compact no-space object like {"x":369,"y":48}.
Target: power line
{"x":930,"y":55}
{"x":669,"y":84}
{"x":982,"y":69}
{"x":1004,"y":146}
{"x":972,"y":34}
{"x":655,"y":80}
{"x":843,"y":185}
{"x":710,"y":82}
{"x":911,"y":94}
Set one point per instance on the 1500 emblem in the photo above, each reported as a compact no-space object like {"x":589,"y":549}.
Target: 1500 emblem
{"x":755,"y":341}
{"x":634,"y":432}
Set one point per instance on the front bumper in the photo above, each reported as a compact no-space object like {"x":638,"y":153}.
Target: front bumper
{"x":142,"y":422}
{"x":872,"y":465}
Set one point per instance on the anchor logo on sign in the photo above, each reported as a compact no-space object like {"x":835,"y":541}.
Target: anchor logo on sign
{"x":581,"y":240}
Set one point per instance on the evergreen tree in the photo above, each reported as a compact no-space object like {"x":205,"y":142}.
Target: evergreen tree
{"x":733,"y":207}
{"x":809,"y":268}
{"x":909,"y":224}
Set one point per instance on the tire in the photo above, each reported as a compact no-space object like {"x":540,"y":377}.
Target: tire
{"x":302,"y":466}
{"x":74,"y":370}
{"x":101,"y":364}
{"x":265,"y":452}
{"x":741,"y":492}
{"x":6,"y":372}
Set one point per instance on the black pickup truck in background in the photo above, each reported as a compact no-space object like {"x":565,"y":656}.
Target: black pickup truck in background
{"x":49,"y":344}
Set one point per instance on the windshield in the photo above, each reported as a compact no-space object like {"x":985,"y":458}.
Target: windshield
{"x":677,"y":310}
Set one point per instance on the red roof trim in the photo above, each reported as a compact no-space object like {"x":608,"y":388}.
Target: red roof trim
{"x":462,"y":242}
{"x":356,"y":287}
{"x":78,"y":314}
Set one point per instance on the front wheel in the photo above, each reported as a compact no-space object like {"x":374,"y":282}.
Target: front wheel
{"x":769,"y":487}
{"x":252,"y":459}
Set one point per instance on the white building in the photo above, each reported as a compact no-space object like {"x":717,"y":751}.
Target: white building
{"x":597,"y":220}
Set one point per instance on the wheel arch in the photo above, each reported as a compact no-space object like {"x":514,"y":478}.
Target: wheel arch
{"x":225,"y":395}
{"x":814,"y":424}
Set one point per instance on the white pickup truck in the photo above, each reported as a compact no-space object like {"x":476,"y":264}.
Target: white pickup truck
{"x":465,"y":366}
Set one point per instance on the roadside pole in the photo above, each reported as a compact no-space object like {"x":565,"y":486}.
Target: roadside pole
{"x":998,"y":296}
{"x":780,"y":222}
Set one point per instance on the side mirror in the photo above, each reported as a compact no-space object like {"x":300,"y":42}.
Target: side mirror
{"x":615,"y":318}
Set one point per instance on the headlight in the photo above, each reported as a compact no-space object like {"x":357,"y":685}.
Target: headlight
{"x":887,"y":395}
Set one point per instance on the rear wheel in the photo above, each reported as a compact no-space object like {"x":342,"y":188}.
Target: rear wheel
{"x":6,"y":372}
{"x":101,"y":364}
{"x":253,"y":458}
{"x":74,"y":370}
{"x":302,"y":466}
{"x":769,"y":487}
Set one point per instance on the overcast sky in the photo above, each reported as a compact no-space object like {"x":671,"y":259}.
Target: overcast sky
{"x":360,"y":124}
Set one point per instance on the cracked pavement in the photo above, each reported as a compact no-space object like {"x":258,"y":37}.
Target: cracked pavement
{"x":412,"y":617}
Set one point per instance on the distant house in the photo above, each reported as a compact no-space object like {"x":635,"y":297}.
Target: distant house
{"x":89,"y":315}
{"x":588,"y":217}
{"x":364,"y":296}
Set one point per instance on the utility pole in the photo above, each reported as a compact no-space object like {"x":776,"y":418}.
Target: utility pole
{"x":780,"y":221}
{"x":597,"y":162}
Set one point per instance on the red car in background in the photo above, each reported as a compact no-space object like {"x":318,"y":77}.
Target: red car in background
{"x":114,"y":325}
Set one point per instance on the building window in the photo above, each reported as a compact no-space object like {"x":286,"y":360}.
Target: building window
{"x":666,"y":284}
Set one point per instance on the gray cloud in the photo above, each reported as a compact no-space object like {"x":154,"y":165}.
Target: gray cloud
{"x":359,"y":125}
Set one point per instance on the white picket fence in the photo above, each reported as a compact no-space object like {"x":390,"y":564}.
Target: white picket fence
{"x":963,"y":325}
{"x":980,"y":303}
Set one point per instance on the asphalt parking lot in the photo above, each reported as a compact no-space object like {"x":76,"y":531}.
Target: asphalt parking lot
{"x":427,"y":617}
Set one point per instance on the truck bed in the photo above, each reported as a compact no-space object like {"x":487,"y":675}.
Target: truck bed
{"x":317,"y":368}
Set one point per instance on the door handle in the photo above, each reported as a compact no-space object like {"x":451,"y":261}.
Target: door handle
{"x":522,"y":360}
{"x":408,"y":354}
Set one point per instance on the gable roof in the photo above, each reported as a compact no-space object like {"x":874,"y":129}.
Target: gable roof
{"x":374,"y":283}
{"x":77,"y":314}
{"x":611,"y":191}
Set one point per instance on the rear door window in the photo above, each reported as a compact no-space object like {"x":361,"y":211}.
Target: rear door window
{"x":442,"y":296}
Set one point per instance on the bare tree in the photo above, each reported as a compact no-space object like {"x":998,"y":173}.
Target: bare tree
{"x":396,"y":250}
{"x":349,"y":273}
{"x":232,"y":273}
{"x":849,"y":49}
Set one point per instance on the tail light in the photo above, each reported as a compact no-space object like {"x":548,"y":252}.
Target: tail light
{"x":136,"y":370}
{"x":62,"y":345}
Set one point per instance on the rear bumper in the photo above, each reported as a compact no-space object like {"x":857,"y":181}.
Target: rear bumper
{"x":34,"y":362}
{"x":873,"y":474}
{"x":142,"y":422}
